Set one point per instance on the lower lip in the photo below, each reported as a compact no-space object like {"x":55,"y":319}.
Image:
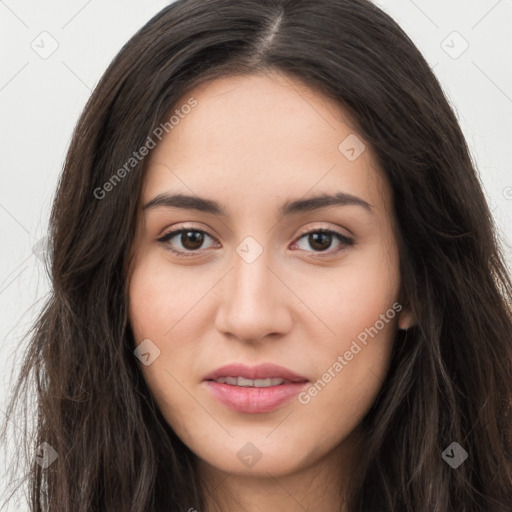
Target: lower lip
{"x":254,"y":400}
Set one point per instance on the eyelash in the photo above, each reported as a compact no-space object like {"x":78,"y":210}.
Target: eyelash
{"x":166,"y":237}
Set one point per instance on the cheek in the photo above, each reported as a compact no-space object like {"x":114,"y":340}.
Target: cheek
{"x":351,"y":370}
{"x":351,"y":298}
{"x":162,"y":299}
{"x":147,"y":300}
{"x":163,"y":308}
{"x":361,"y":314}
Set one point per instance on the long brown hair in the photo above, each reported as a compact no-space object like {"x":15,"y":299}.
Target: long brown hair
{"x":450,"y":380}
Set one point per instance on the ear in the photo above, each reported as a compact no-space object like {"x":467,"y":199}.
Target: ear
{"x":405,"y":320}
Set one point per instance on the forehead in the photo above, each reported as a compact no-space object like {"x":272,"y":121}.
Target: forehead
{"x":262,"y":136}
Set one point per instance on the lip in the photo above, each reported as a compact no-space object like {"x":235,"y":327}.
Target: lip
{"x":261,"y":371}
{"x":252,"y":399}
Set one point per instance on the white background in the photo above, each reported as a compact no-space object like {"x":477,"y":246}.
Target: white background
{"x":41,"y":99}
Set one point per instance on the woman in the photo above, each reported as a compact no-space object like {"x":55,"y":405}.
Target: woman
{"x":223,"y":144}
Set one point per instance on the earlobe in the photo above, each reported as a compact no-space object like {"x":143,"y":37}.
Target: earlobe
{"x":405,"y":320}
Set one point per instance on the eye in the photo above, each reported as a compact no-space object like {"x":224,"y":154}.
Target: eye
{"x":190,"y":240}
{"x":321,"y":240}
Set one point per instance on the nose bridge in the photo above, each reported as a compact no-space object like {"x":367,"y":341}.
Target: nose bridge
{"x":251,"y":277}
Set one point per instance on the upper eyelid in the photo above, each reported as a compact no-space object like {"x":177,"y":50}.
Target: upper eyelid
{"x":301,"y":232}
{"x":314,"y":229}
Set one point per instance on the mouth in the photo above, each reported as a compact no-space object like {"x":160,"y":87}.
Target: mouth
{"x":257,"y":389}
{"x":252,"y":383}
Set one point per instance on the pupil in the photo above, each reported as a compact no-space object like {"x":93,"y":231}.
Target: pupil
{"x":192,"y":240}
{"x":314,"y":237}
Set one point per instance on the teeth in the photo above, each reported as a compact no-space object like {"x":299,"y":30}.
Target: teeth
{"x":247,"y":383}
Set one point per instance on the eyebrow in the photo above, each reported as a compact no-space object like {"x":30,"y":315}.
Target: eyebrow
{"x":288,"y":208}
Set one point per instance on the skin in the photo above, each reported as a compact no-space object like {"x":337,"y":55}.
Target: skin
{"x":252,"y":143}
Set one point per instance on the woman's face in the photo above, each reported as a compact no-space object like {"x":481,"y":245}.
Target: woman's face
{"x":253,"y":285}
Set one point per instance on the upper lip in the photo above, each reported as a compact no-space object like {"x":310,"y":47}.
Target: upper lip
{"x":261,"y":371}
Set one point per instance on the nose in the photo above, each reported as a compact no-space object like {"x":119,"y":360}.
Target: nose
{"x":253,"y":301}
